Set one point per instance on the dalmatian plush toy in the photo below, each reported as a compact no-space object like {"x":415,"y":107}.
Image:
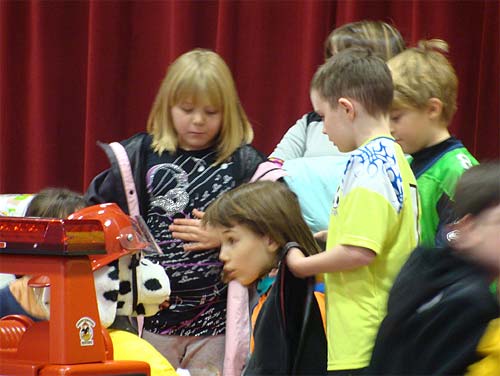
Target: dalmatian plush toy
{"x":115,"y":291}
{"x":126,"y":283}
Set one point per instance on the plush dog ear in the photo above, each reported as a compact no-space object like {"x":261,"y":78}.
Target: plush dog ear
{"x":153,"y":287}
{"x":125,"y":292}
{"x":106,"y":285}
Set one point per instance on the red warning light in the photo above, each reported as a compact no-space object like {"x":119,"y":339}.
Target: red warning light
{"x":27,"y":235}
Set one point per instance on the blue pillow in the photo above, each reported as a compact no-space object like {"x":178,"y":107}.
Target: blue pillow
{"x":315,"y":181}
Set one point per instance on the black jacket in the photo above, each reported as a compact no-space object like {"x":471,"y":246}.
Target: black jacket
{"x":438,"y":310}
{"x":289,"y":336}
{"x":108,"y":187}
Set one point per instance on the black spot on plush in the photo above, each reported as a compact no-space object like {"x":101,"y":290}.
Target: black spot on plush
{"x":111,"y":295}
{"x":152,"y":284}
{"x":125,"y":287}
{"x":113,"y":275}
{"x":140,"y":309}
{"x":120,"y":304}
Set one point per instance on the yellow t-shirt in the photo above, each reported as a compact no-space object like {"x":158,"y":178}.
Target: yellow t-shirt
{"x":489,"y":349}
{"x":375,"y":207}
{"x":128,"y":346}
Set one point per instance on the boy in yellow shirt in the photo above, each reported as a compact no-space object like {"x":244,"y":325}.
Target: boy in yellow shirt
{"x":374,"y":221}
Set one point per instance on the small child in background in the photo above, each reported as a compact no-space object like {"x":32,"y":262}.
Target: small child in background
{"x":425,"y":100}
{"x":305,"y":137}
{"x":197,"y":148}
{"x":304,"y":150}
{"x":442,"y":319}
{"x":257,"y":224}
{"x":373,"y":226}
{"x":18,"y":298}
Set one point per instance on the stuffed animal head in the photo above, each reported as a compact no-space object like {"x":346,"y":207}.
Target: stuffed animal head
{"x":126,"y":283}
{"x":120,"y":293}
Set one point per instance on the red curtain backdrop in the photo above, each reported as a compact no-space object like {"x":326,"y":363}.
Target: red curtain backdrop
{"x":74,"y":72}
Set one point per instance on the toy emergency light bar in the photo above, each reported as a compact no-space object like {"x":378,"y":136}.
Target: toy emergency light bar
{"x":58,"y":237}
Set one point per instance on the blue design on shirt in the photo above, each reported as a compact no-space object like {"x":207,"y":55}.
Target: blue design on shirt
{"x":378,"y":155}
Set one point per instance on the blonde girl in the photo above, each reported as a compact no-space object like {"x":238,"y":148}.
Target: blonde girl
{"x":196,"y":148}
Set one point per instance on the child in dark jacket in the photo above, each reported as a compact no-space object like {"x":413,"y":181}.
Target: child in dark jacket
{"x":440,"y":306}
{"x":197,"y":147}
{"x":257,"y":224}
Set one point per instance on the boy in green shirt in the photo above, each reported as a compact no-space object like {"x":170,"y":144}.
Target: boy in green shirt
{"x":374,"y":221}
{"x":425,"y":96}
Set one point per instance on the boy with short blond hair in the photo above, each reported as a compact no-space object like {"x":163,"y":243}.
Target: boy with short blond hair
{"x":425,"y":96}
{"x":373,"y":225}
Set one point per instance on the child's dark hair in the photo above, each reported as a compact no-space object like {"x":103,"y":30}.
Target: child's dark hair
{"x":55,"y":203}
{"x":356,"y":74}
{"x":478,"y":189}
{"x":266,"y":208}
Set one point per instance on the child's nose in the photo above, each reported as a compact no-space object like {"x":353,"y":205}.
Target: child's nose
{"x":198,"y":117}
{"x":223,"y":255}
{"x":391,"y":126}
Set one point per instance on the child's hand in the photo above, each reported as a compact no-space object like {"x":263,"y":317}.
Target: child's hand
{"x":321,"y":236}
{"x":190,"y":230}
{"x":165,"y":304}
{"x":294,"y":260}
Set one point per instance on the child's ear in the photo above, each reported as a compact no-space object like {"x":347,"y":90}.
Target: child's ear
{"x":434,"y":108}
{"x":348,"y":107}
{"x":462,"y":230}
{"x":272,"y":245}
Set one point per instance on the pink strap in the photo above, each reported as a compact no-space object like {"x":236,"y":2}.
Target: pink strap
{"x":130,"y":194}
{"x":268,"y":171}
{"x":237,"y":329}
{"x":127,"y":178}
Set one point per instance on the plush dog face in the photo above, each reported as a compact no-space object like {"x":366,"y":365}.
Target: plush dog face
{"x":114,"y":288}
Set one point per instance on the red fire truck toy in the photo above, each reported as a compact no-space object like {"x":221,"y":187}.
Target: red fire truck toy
{"x":72,"y":342}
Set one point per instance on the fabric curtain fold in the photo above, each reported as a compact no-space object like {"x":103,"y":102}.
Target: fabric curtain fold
{"x":72,"y":73}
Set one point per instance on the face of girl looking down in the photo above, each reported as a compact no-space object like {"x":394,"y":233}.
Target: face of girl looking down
{"x":197,"y":125}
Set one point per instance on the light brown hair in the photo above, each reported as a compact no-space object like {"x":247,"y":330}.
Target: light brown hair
{"x":422,"y":73}
{"x":357,"y":74}
{"x":380,"y":37}
{"x":55,"y":203}
{"x":200,"y":76}
{"x":266,"y":208}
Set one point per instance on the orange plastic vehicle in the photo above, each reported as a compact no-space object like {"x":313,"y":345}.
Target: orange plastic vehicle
{"x":72,"y":342}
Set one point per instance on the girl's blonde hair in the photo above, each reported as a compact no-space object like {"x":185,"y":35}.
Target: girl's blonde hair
{"x":200,"y":76}
{"x":380,"y":37}
{"x":267,"y":209}
{"x":422,"y":73}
